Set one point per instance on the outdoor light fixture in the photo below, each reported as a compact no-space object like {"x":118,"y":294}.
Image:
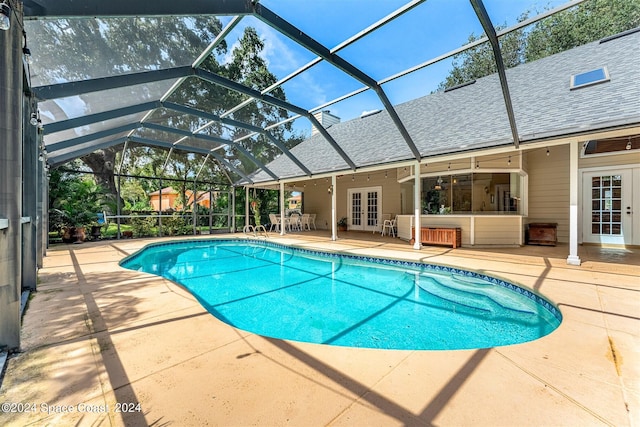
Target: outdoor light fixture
{"x":330,"y":189}
{"x":547,"y":151}
{"x":34,"y":119}
{"x":5,"y":16}
{"x":628,"y":147}
{"x":509,"y":161}
{"x":27,"y":54}
{"x":438,"y":186}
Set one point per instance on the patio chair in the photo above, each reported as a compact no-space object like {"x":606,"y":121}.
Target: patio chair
{"x":294,"y":222}
{"x":389,"y":226}
{"x":304,"y":222}
{"x":275,"y":222}
{"x":312,"y":221}
{"x":380,"y":223}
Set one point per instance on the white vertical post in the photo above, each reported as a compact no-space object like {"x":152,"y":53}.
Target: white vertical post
{"x":246,"y":206}
{"x":417,"y":244}
{"x":573,"y":258}
{"x":282,"y":224}
{"x":233,"y":210}
{"x":334,"y":218}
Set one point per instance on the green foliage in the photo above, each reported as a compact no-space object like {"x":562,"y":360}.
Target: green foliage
{"x":176,"y":225}
{"x":134,"y":195}
{"x":584,"y":23}
{"x":143,"y":226}
{"x":590,"y":21}
{"x":75,"y":200}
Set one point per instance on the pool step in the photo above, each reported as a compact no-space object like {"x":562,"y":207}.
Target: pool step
{"x":474,"y":295}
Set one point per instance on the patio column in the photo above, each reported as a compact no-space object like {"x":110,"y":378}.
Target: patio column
{"x":232,"y":223}
{"x":282,"y":228}
{"x":334,"y":234}
{"x":246,"y":206}
{"x":573,"y":258}
{"x":417,"y":244}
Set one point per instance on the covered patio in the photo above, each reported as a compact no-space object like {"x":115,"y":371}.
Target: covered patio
{"x":98,"y":336}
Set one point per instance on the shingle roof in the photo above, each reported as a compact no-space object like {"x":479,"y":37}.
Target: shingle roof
{"x":474,"y":116}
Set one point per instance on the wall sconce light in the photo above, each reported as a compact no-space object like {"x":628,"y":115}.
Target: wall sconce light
{"x":628,"y":147}
{"x":34,"y":119}
{"x":330,"y":189}
{"x":548,"y":152}
{"x":5,"y":16}
{"x":509,"y":161}
{"x":27,"y":54}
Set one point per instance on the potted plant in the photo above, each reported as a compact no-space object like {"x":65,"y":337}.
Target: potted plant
{"x":342,"y":224}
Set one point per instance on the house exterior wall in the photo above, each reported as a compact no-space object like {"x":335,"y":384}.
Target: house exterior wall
{"x":549,"y":183}
{"x":390,"y":191}
{"x":498,"y":230}
{"x":548,"y":195}
{"x":168,"y":201}
{"x":631,"y":158}
{"x":318,"y":200}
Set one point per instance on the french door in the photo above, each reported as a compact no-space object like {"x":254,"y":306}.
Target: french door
{"x":608,"y":203}
{"x":365,"y":207}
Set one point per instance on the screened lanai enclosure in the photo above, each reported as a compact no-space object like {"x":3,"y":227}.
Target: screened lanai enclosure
{"x":206,"y":95}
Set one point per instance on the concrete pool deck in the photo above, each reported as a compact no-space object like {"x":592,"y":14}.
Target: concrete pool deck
{"x":103,"y":346}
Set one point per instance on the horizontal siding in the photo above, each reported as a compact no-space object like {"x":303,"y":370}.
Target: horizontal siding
{"x":502,"y":230}
{"x":549,"y":188}
{"x":631,"y":159}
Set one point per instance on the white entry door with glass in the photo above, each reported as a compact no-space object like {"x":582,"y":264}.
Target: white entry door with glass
{"x":608,"y":207}
{"x":364,"y":207}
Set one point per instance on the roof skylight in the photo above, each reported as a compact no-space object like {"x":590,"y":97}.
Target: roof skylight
{"x":599,"y":75}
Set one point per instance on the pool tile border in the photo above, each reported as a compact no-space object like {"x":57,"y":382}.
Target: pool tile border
{"x":378,"y":260}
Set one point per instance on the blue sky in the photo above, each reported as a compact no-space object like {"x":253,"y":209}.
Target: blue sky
{"x":430,"y":29}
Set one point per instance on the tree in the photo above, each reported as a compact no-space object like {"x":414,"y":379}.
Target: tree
{"x":479,"y":61}
{"x":123,"y":45}
{"x":584,"y":23}
{"x":590,"y":21}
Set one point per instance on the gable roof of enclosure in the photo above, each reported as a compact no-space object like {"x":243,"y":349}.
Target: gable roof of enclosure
{"x":117,"y":112}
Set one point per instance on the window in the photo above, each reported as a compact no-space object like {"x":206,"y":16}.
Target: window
{"x":599,"y":75}
{"x":472,"y":193}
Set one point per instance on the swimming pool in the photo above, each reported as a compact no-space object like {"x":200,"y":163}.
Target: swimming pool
{"x":304,"y":295}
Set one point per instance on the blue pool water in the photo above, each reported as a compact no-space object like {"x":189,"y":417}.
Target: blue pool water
{"x":302,"y":295}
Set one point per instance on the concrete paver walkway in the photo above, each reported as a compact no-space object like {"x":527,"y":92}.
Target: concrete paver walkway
{"x":107,"y":346}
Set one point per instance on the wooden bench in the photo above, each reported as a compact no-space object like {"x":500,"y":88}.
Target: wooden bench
{"x":439,"y":236}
